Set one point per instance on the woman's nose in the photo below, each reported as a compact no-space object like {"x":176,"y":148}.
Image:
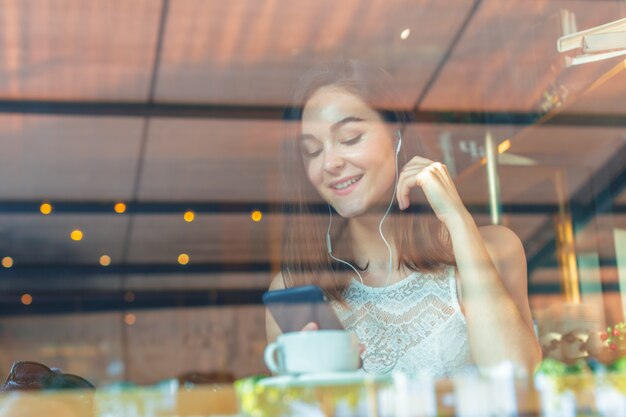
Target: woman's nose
{"x":333,"y":160}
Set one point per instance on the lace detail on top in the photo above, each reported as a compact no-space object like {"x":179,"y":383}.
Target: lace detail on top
{"x":414,"y":326}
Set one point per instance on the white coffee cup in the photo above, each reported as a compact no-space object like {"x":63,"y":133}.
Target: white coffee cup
{"x":314,"y":351}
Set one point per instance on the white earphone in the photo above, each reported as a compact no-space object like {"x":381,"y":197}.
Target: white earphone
{"x":380,"y":225}
{"x":399,"y":144}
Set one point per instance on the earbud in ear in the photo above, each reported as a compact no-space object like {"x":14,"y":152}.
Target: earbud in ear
{"x":399,"y":142}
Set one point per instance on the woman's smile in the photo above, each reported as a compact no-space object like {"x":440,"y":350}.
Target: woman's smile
{"x":345,"y":186}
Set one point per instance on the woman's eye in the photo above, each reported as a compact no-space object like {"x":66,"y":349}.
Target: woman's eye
{"x":353,"y":140}
{"x":311,"y":153}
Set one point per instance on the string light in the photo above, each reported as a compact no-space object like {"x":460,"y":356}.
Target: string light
{"x":26,"y":299}
{"x":7,"y":262}
{"x":105,"y":260}
{"x":76,"y":235}
{"x":45,"y":208}
{"x":256,"y":216}
{"x":189,"y":216}
{"x":130,"y":319}
{"x":183,"y":259}
{"x":120,"y":208}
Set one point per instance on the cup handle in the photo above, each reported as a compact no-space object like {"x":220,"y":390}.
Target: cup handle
{"x":270,"y":357}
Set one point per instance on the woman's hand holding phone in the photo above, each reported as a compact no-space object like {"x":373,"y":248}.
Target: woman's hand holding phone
{"x":293,"y":309}
{"x":288,"y":306}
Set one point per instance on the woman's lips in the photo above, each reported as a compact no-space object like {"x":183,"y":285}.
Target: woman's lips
{"x":347,"y":186}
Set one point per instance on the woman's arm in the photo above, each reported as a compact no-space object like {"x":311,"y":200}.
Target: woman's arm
{"x":492,"y":269}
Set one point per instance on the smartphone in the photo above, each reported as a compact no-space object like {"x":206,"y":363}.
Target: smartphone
{"x":293,"y":308}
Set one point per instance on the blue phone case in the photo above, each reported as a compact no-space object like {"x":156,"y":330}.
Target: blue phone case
{"x":303,"y":294}
{"x":293,"y":308}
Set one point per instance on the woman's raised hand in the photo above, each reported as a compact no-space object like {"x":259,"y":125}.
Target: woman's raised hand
{"x":433,"y":178}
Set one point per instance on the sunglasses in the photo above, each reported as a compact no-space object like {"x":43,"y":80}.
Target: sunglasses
{"x":36,"y":376}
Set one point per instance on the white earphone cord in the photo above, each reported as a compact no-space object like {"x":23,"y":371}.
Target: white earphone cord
{"x":328,"y":245}
{"x":380,"y":226}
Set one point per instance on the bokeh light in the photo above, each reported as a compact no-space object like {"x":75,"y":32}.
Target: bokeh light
{"x":45,"y":208}
{"x":504,"y":146}
{"x":189,"y":216}
{"x":256,"y":216}
{"x":7,"y":262}
{"x":26,"y":299}
{"x":120,"y":208}
{"x":130,"y":319}
{"x":183,"y":259}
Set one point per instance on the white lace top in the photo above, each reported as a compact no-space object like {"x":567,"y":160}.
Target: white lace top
{"x":415,"y":325}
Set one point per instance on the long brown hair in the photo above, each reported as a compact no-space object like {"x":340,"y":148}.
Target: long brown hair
{"x":422,"y":242}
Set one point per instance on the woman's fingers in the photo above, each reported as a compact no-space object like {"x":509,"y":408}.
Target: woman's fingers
{"x":409,"y":178}
{"x":403,"y":188}
{"x":311,"y":326}
{"x":418,"y":174}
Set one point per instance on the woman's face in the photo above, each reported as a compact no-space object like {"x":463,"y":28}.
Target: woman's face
{"x":348,"y":152}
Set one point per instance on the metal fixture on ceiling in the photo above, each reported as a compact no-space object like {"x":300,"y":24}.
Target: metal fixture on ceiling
{"x":595,"y":44}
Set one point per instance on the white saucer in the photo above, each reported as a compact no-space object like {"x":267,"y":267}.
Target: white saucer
{"x":323,"y":378}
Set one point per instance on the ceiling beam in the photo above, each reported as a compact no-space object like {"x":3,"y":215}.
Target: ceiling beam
{"x":446,"y":56}
{"x":72,"y":302}
{"x":20,"y":273}
{"x":279,"y":113}
{"x":81,"y":301}
{"x":241,"y":207}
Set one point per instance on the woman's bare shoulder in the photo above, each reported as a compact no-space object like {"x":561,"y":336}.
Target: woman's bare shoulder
{"x":496,"y":231}
{"x":501,"y":242}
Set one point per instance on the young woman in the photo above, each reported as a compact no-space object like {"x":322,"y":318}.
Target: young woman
{"x":424,"y":291}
